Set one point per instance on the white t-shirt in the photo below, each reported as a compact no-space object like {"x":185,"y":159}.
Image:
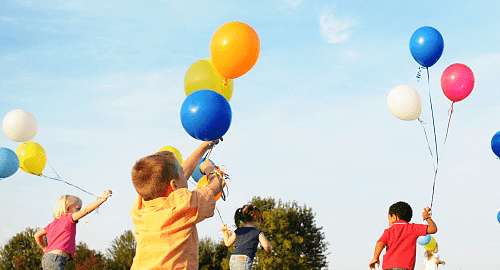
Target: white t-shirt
{"x":430,"y":263}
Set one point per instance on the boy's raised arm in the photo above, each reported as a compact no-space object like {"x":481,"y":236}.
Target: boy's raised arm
{"x":427,"y":215}
{"x":190,"y":164}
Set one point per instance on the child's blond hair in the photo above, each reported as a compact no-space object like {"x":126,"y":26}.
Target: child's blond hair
{"x":64,"y":203}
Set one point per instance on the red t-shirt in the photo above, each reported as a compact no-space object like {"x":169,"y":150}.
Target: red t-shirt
{"x":401,"y":241}
{"x":61,"y":235}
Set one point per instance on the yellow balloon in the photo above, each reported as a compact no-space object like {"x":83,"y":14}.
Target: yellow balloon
{"x":174,"y":150}
{"x":203,"y":182}
{"x":432,"y":244}
{"x":32,"y":157}
{"x":203,"y":75}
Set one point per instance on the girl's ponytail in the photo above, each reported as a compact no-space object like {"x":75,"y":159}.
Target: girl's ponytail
{"x":238,"y":217}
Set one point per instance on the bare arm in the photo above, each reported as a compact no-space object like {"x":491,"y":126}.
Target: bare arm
{"x":265,"y":244}
{"x":378,"y":249}
{"x":207,"y":168}
{"x":190,"y":164}
{"x":39,"y":239}
{"x":427,"y":215}
{"x":91,"y":207}
{"x":432,"y":228}
{"x":229,"y":237}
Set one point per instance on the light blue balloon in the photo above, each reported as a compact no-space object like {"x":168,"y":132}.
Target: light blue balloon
{"x":197,"y":173}
{"x":424,"y":240}
{"x":9,"y":162}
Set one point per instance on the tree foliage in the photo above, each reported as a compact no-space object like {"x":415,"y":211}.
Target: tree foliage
{"x":298,"y":243}
{"x":21,"y":252}
{"x":86,"y":259}
{"x":122,"y":251}
{"x":211,"y":254}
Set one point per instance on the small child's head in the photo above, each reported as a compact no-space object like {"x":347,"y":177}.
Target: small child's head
{"x":401,"y":211}
{"x":152,"y":175}
{"x":248,"y":213}
{"x":67,"y":204}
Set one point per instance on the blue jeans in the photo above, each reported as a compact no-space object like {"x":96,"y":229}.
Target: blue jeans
{"x":240,"y":262}
{"x":53,"y":262}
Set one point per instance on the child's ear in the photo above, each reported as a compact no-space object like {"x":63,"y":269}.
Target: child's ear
{"x":173,"y":184}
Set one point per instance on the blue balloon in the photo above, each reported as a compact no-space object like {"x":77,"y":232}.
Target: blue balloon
{"x":9,"y":162}
{"x":424,"y":240}
{"x":426,"y":46}
{"x":495,"y":144}
{"x":197,"y":175}
{"x":206,"y":115}
{"x":498,"y":216}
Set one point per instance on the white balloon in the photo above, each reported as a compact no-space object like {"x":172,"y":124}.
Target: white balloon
{"x":404,"y":103}
{"x":20,"y":125}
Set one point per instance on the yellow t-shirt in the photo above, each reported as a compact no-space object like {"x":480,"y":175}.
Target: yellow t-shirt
{"x":165,"y":229}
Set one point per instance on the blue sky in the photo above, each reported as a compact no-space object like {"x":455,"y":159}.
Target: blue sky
{"x":310,"y":120}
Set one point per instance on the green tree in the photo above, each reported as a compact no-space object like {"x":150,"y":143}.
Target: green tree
{"x":211,"y":255}
{"x":86,"y":259}
{"x":122,"y":251}
{"x":298,"y":243}
{"x":21,"y":252}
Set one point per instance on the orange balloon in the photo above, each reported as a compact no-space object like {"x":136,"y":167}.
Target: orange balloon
{"x":234,"y":49}
{"x":204,"y":181}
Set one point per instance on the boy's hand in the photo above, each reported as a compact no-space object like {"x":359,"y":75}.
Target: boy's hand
{"x":427,"y":213}
{"x":224,"y":228}
{"x":206,"y":167}
{"x":373,"y":262}
{"x":210,"y":144}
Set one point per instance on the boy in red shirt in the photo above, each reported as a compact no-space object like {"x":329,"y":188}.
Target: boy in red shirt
{"x":401,"y":238}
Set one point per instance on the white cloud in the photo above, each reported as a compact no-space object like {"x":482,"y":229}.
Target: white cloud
{"x":334,"y":30}
{"x":351,"y":54}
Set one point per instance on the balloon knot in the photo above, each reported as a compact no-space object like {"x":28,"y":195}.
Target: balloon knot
{"x":224,"y":83}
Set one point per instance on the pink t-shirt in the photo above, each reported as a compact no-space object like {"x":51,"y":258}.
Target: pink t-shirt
{"x":401,"y":241}
{"x":61,"y":235}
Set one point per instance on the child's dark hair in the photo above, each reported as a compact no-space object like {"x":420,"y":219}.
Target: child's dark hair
{"x":248,"y":213}
{"x":401,"y":210}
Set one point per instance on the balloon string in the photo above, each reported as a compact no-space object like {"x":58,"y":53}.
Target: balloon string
{"x":60,"y":180}
{"x":428,"y":143}
{"x":219,"y":215}
{"x":450,"y":112}
{"x":433,"y":121}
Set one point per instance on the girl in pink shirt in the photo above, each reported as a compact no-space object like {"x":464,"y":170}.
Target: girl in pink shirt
{"x":61,"y":232}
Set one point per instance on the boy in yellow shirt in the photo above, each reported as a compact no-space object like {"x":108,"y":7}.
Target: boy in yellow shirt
{"x":165,"y":213}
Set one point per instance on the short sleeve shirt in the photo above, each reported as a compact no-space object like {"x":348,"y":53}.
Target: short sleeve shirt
{"x":401,"y":242}
{"x":165,"y":229}
{"x":247,"y":241}
{"x":61,"y":235}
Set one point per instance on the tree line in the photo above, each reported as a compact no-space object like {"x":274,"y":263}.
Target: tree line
{"x":298,"y":244}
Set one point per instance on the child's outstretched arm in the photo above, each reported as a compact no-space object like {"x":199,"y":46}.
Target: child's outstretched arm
{"x":265,"y":244}
{"x":229,"y":237}
{"x":39,"y":239}
{"x":91,"y":207}
{"x":378,"y":249}
{"x":427,"y":215}
{"x":190,"y":164}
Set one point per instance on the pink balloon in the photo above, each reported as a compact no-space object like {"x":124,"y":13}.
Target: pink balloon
{"x":457,"y":82}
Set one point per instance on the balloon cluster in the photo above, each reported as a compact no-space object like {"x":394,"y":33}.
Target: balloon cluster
{"x":21,"y":126}
{"x":428,"y":242}
{"x":205,"y":113}
{"x":457,"y":81}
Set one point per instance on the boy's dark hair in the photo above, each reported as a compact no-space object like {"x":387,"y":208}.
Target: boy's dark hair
{"x":248,"y":213}
{"x":401,"y":210}
{"x":152,"y":174}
